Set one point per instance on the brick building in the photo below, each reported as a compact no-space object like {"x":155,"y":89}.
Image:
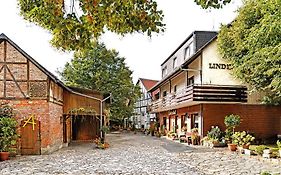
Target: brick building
{"x":197,"y":90}
{"x":43,"y":104}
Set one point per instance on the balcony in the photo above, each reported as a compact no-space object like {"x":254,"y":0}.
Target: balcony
{"x":196,"y":94}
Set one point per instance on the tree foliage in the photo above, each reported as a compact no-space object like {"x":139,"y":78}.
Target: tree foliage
{"x":252,"y":43}
{"x":212,"y":3}
{"x":102,"y":69}
{"x":74,"y":24}
{"x":75,"y":27}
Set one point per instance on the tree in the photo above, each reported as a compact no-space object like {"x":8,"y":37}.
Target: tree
{"x":252,"y":43}
{"x":101,"y":69}
{"x":212,"y":3}
{"x":75,"y":27}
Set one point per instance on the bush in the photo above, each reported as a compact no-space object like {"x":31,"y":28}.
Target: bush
{"x":232,"y":121}
{"x":242,"y":138}
{"x":215,"y":134}
{"x":8,"y":134}
{"x":105,"y":129}
{"x":278,"y":143}
{"x":259,"y":149}
{"x":6,"y":111}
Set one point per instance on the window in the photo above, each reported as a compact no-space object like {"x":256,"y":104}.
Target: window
{"x":190,"y":80}
{"x":189,"y":50}
{"x":164,"y":93}
{"x":156,"y":96}
{"x":175,"y":63}
{"x":175,"y":88}
{"x":164,"y":71}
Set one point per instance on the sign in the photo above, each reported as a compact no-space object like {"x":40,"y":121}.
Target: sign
{"x":220,"y":66}
{"x":30,"y":120}
{"x":172,"y":112}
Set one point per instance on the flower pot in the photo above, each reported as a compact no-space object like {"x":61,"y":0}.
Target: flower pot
{"x":267,"y":151}
{"x":232,"y":147}
{"x":248,"y":152}
{"x":4,"y":156}
{"x":240,"y":149}
{"x":246,"y":146}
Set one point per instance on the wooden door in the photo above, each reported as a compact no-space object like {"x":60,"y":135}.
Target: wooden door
{"x":30,"y":138}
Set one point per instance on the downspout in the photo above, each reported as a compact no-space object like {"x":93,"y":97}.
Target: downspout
{"x":202,"y":119}
{"x":201,"y":68}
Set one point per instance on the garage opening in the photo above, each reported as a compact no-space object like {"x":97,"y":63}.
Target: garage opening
{"x":84,"y":128}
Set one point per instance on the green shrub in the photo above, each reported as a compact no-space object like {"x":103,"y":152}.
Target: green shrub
{"x":259,"y":149}
{"x":215,"y":134}
{"x":232,"y":121}
{"x":242,"y":138}
{"x":278,"y":144}
{"x":8,"y":134}
{"x":6,"y":110}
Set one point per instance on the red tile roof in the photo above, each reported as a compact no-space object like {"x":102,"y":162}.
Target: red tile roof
{"x":148,"y":84}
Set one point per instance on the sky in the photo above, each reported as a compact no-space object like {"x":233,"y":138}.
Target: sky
{"x":143,"y":54}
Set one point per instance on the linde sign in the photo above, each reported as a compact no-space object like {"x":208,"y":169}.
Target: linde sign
{"x":220,"y":66}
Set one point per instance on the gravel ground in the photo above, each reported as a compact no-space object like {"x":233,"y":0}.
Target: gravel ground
{"x":136,"y":154}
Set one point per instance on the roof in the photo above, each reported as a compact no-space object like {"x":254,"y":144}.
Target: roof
{"x":179,"y":69}
{"x":39,"y":66}
{"x":147,"y":83}
{"x":194,"y":32}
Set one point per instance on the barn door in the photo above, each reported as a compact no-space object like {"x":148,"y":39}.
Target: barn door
{"x":30,"y":138}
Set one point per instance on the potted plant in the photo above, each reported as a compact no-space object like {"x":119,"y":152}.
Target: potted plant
{"x":8,"y":136}
{"x":243,"y":139}
{"x":231,"y":122}
{"x":279,"y":147}
{"x":152,"y":129}
{"x":232,"y":146}
{"x":195,"y":138}
{"x":259,"y":149}
{"x":215,"y":137}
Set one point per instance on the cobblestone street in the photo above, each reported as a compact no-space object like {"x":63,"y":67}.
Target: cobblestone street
{"x":136,"y":154}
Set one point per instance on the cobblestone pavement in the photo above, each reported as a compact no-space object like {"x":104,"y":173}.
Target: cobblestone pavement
{"x":136,"y":154}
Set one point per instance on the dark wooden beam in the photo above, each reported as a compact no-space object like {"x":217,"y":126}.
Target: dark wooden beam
{"x":5,"y":67}
{"x":16,"y":82}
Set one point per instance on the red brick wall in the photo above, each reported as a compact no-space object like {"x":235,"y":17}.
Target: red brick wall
{"x":55,"y":126}
{"x":264,"y":121}
{"x":49,"y":116}
{"x":180,"y":112}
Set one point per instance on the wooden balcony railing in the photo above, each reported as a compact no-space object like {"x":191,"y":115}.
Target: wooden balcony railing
{"x":202,"y":93}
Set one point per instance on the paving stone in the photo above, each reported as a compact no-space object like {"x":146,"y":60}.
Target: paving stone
{"x":131,"y":154}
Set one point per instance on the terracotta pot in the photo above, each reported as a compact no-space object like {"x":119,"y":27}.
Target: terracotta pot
{"x":4,"y":156}
{"x":245,"y":146}
{"x":232,"y":147}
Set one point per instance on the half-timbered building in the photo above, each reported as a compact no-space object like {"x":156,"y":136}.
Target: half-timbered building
{"x":50,"y":114}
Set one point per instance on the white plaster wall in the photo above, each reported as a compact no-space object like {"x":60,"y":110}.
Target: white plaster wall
{"x":179,"y":81}
{"x":163,"y":88}
{"x":215,"y":76}
{"x":196,"y":66}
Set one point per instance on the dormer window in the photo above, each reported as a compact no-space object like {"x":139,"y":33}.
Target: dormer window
{"x":164,"y":71}
{"x":164,"y":93}
{"x":175,"y":62}
{"x":175,"y":89}
{"x":189,"y":50}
